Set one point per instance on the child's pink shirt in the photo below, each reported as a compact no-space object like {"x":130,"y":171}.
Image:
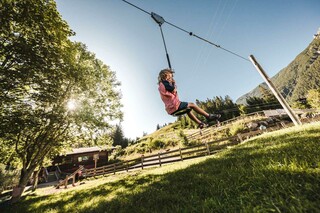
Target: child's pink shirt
{"x":170,"y":100}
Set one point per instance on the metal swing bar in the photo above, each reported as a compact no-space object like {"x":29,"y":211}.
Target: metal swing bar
{"x":160,"y":21}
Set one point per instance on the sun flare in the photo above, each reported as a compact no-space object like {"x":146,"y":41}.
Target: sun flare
{"x":71,"y":105}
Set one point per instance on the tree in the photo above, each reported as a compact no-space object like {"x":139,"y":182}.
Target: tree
{"x":225,"y":106}
{"x":158,"y":127}
{"x":254,"y":104}
{"x":300,"y":103}
{"x":242,"y":109}
{"x":313,"y":98}
{"x":118,"y":137}
{"x":267,"y":95}
{"x":41,"y":71}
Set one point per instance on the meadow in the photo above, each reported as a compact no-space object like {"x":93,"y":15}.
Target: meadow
{"x":274,"y":172}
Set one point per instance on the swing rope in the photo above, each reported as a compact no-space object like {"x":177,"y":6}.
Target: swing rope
{"x":190,"y":33}
{"x":165,"y":47}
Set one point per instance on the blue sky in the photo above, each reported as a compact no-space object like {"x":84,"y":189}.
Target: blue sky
{"x":129,"y":41}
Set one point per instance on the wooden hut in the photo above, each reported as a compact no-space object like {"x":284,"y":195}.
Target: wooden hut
{"x":89,"y":157}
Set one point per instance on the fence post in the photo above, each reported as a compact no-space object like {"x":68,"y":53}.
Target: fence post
{"x":208,"y":149}
{"x":66,"y":182}
{"x":240,"y":137}
{"x":180,"y":153}
{"x":159,"y":158}
{"x":73,"y":180}
{"x":142,"y":161}
{"x":127,"y":167}
{"x":114,"y":168}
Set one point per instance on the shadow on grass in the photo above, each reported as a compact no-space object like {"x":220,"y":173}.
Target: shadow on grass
{"x":259,"y":176}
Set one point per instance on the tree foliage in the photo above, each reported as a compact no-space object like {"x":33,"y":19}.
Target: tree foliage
{"x":225,"y":106}
{"x":41,"y":70}
{"x":313,"y":98}
{"x":118,"y":137}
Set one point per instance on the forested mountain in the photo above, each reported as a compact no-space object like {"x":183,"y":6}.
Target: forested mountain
{"x":301,"y":75}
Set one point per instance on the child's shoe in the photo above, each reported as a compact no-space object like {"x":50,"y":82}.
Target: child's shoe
{"x":202,"y":125}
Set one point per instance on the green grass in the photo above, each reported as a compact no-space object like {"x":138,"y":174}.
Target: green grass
{"x":275,"y":172}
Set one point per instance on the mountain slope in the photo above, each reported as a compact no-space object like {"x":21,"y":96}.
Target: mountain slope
{"x":301,"y":75}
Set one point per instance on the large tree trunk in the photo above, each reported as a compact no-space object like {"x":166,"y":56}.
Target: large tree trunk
{"x":16,"y":193}
{"x":24,"y":178}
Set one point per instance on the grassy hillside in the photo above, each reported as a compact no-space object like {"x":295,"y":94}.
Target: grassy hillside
{"x":275,"y":172}
{"x":173,"y":136}
{"x":166,"y":137}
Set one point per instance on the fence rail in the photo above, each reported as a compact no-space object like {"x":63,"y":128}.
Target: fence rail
{"x":72,"y":176}
{"x":171,"y":156}
{"x":175,"y":155}
{"x":205,"y":133}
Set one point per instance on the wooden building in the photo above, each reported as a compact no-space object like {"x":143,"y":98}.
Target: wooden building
{"x":89,"y":157}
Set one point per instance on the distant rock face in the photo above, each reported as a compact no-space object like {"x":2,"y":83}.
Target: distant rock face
{"x":317,"y":36}
{"x":301,"y":75}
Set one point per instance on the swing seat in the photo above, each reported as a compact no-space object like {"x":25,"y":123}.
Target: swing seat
{"x":181,"y":112}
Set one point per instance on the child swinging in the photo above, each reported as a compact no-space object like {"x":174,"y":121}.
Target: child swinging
{"x":170,"y":98}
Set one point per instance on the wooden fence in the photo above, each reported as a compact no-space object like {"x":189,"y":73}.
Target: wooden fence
{"x":72,"y":176}
{"x":207,"y":148}
{"x":206,"y":133}
{"x":170,"y":156}
{"x":175,"y":155}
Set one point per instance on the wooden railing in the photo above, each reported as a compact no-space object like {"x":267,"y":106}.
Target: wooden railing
{"x":206,"y":133}
{"x":180,"y":154}
{"x":68,"y":177}
{"x":170,"y":156}
{"x":207,"y":148}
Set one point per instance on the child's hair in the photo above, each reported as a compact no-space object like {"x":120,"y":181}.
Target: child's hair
{"x":163,"y":74}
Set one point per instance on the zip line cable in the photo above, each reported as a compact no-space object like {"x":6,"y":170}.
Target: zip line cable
{"x":136,"y":7}
{"x":190,"y":33}
{"x":279,"y":97}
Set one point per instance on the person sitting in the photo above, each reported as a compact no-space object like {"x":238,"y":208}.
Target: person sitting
{"x":169,"y":95}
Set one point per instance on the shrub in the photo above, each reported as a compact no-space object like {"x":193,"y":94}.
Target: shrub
{"x":313,"y":98}
{"x":184,"y":138}
{"x":171,"y":142}
{"x":236,"y":128}
{"x":8,"y":177}
{"x":130,"y":150}
{"x":157,"y":144}
{"x":118,"y":151}
{"x":143,"y":147}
